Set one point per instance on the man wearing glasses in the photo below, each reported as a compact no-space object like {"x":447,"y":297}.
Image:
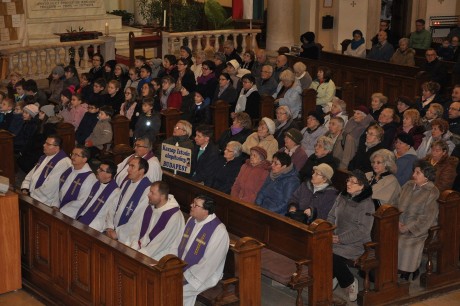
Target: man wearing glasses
{"x":266,"y":84}
{"x":435,"y":68}
{"x":203,"y":246}
{"x":93,"y":212}
{"x":75,"y":183}
{"x":454,"y":118}
{"x":142,"y":148}
{"x":42,"y":181}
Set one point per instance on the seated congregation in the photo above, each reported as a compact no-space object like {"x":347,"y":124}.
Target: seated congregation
{"x":403,"y":153}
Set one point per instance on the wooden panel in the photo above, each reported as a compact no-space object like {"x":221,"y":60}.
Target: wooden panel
{"x":120,"y":127}
{"x":67,"y":133}
{"x":60,"y":250}
{"x":80,"y":271}
{"x":10,"y":253}
{"x":41,"y":239}
{"x":126,"y":278}
{"x":169,"y":118}
{"x":220,"y":115}
{"x":7,"y":161}
{"x":102,"y":277}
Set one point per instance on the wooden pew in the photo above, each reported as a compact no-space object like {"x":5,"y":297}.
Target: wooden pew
{"x":7,"y":161}
{"x":67,"y":132}
{"x":308,"y":247}
{"x":169,"y":118}
{"x":144,"y":42}
{"x":267,"y":107}
{"x":120,"y":128}
{"x":308,"y":103}
{"x":367,"y":75}
{"x":220,"y":114}
{"x":66,"y":262}
{"x":445,"y":242}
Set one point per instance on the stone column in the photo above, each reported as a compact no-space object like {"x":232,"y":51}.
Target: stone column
{"x":137,"y":14}
{"x":108,"y":49}
{"x":280,"y":24}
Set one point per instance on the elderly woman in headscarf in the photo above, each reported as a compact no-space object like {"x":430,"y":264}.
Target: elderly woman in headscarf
{"x":352,"y":214}
{"x":252,"y":175}
{"x":444,"y":164}
{"x":263,"y":138}
{"x":385,"y":185}
{"x":357,"y":47}
{"x":289,"y":93}
{"x":419,"y":211}
{"x":315,"y":197}
{"x":227,"y":167}
{"x":309,"y":47}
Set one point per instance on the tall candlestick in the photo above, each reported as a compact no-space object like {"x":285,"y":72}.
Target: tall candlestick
{"x":164,"y":19}
{"x":106,"y":29}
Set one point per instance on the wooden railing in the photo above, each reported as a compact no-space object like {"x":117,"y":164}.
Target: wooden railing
{"x":39,"y":60}
{"x":244,"y":39}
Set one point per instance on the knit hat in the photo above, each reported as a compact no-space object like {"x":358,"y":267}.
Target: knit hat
{"x":234,"y":63}
{"x":325,"y":170}
{"x":48,"y":110}
{"x":221,"y":56}
{"x":360,"y":176}
{"x":261,"y":151}
{"x":270,"y":125}
{"x":67,"y":93}
{"x":406,"y":138}
{"x":362,"y":108}
{"x":294,"y":135}
{"x":31,"y":109}
{"x":59,"y":70}
{"x":187,"y":49}
{"x":317,"y":116}
{"x":123,"y":67}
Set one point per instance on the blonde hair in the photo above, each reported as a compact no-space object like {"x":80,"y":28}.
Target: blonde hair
{"x":414,"y":115}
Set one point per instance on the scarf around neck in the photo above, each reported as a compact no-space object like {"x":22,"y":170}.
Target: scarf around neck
{"x":274,"y":176}
{"x":242,"y":99}
{"x":356,"y":43}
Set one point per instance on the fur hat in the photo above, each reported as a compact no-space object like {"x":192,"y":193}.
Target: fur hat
{"x":317,"y":116}
{"x":362,"y":108}
{"x":48,"y":110}
{"x":406,"y":138}
{"x":261,"y":151}
{"x":294,"y":135}
{"x":270,"y":125}
{"x":360,"y":176}
{"x":325,"y":170}
{"x":31,"y":109}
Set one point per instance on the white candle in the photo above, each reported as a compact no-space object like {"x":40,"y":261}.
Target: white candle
{"x":106,"y":29}
{"x":164,"y":19}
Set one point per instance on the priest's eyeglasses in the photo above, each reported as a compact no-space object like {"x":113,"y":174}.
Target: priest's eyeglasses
{"x":193,"y":204}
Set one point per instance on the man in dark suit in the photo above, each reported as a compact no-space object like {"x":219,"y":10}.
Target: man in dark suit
{"x":205,"y":155}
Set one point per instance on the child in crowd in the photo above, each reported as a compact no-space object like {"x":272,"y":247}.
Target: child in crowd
{"x":86,"y":86}
{"x":71,"y":77}
{"x":102,"y":132}
{"x":56,"y":84}
{"x":134,"y":77}
{"x":24,"y":139}
{"x":115,"y":96}
{"x":128,"y":107}
{"x":87,"y":124}
{"x":121,"y":74}
{"x":6,"y":113}
{"x":146,"y":72}
{"x":98,"y":95}
{"x":75,"y":113}
{"x":139,"y":61}
{"x":149,"y":122}
{"x":201,"y":114}
{"x":31,"y":89}
{"x":17,"y":121}
{"x":15,"y":77}
{"x":109,"y":68}
{"x":66,"y":96}
{"x":20,"y":93}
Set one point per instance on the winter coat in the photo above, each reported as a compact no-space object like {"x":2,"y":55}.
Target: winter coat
{"x":292,"y":98}
{"x":353,"y":218}
{"x":86,"y":127}
{"x":405,"y":58}
{"x":148,"y":126}
{"x":102,"y":134}
{"x":269,"y":143}
{"x":386,"y":190}
{"x":203,"y":168}
{"x":307,"y":170}
{"x":324,"y":91}
{"x":417,"y":133}
{"x":249,"y":181}
{"x":275,"y":193}
{"x":227,"y":136}
{"x":446,"y":171}
{"x":225,"y":173}
{"x":405,"y":164}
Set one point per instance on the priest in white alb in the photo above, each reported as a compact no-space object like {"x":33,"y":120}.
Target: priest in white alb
{"x":162,"y":225}
{"x":95,"y":209}
{"x":75,"y":183}
{"x":142,"y":148}
{"x":42,"y":182}
{"x":203,"y":247}
{"x":126,"y":213}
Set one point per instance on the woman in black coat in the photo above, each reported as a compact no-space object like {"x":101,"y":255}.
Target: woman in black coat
{"x":226,"y":91}
{"x":239,"y":131}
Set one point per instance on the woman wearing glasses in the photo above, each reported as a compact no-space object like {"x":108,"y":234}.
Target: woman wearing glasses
{"x":385,"y":186}
{"x":352,"y":214}
{"x":372,"y":143}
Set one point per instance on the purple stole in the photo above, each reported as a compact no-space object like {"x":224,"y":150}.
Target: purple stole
{"x":75,"y":186}
{"x":133,"y":201}
{"x":198,"y":247}
{"x":89,"y":216}
{"x":147,"y":156}
{"x":159,"y":226}
{"x":48,"y":168}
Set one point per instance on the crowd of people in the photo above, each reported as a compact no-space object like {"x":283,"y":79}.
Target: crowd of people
{"x":402,"y":152}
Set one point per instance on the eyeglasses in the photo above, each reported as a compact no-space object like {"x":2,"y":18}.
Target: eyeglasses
{"x":139,"y":146}
{"x":349,"y":180}
{"x":102,"y":170}
{"x":51,"y":144}
{"x":454,"y":109}
{"x":75,"y":154}
{"x":179,"y":128}
{"x":204,"y":68}
{"x":318,"y":173}
{"x":193,"y":204}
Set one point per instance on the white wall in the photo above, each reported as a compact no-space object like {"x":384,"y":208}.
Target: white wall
{"x":348,"y":19}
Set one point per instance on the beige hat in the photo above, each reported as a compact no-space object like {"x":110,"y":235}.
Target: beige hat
{"x":325,"y":170}
{"x":234,"y":63}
